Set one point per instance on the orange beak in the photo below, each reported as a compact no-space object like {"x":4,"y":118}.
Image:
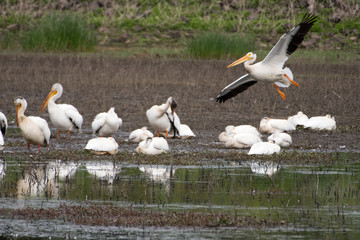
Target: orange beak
{"x":47,"y":99}
{"x":17,"y":113}
{"x":241,"y":60}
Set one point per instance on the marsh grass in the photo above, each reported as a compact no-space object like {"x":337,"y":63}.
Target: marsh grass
{"x":219,"y":45}
{"x":59,"y":32}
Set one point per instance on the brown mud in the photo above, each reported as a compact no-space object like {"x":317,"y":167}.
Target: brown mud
{"x":94,"y":84}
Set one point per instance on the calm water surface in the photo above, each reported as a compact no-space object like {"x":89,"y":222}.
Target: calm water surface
{"x":315,"y":201}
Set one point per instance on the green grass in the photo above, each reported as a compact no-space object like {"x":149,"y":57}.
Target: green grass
{"x":219,"y":45}
{"x":58,"y":32}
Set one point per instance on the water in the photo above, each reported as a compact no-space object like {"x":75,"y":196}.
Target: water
{"x":312,"y":200}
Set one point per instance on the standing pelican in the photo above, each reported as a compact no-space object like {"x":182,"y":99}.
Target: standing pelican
{"x":161,"y":119}
{"x":3,"y":126}
{"x":106,"y":123}
{"x":271,"y":68}
{"x":65,"y":117}
{"x":35,"y":130}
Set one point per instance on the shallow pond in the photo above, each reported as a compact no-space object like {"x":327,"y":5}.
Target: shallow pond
{"x":311,"y":200}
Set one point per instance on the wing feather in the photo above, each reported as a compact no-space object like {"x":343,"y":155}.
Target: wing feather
{"x":236,"y":87}
{"x":289,"y":42}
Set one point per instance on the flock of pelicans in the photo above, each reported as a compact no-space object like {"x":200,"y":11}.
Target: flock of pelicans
{"x":165,"y":121}
{"x":162,"y":118}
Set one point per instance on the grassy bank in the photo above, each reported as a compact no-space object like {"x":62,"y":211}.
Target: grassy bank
{"x":175,"y":24}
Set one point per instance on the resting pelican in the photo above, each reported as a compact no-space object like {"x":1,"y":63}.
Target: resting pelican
{"x":242,"y":140}
{"x":102,"y":145}
{"x":3,"y":126}
{"x":299,"y":119}
{"x":106,"y":123}
{"x":162,"y":119}
{"x":152,"y":146}
{"x":35,"y":130}
{"x":281,"y":139}
{"x":140,"y":134}
{"x":321,"y":123}
{"x":269,"y":125}
{"x":264,"y":148}
{"x":231,"y":129}
{"x":271,"y":68}
{"x":65,"y":117}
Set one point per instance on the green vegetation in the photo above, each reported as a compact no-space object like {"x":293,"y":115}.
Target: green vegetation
{"x":218,"y":45}
{"x":179,"y":24}
{"x":57,"y":32}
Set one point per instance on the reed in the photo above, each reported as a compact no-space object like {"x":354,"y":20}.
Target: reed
{"x":219,"y":45}
{"x":59,"y":32}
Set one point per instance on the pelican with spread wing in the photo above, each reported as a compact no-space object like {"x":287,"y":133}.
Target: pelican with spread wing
{"x":271,"y":68}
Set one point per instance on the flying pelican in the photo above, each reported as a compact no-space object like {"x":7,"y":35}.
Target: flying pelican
{"x":271,"y":68}
{"x":269,"y":125}
{"x":35,"y":130}
{"x":106,"y":123}
{"x":282,"y":139}
{"x":3,"y":126}
{"x":321,"y":123}
{"x":264,"y":148}
{"x":140,"y":134}
{"x":162,"y":119}
{"x":153,"y":146}
{"x":299,"y":119}
{"x":102,"y":145}
{"x":65,"y":117}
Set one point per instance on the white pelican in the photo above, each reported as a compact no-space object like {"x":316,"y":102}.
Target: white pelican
{"x":299,"y":119}
{"x":102,"y":145}
{"x":271,"y":68}
{"x":321,"y":123}
{"x":35,"y":130}
{"x":161,"y":118}
{"x":140,"y":134}
{"x":264,"y":148}
{"x":184,"y":132}
{"x":242,"y":140}
{"x":3,"y":126}
{"x":152,"y":146}
{"x":230,"y":129}
{"x":269,"y":125}
{"x":106,"y":123}
{"x":282,"y":139}
{"x":65,"y":117}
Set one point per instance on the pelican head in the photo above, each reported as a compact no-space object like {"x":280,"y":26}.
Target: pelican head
{"x":20,"y":103}
{"x":56,"y":90}
{"x":248,"y":57}
{"x":173,"y":104}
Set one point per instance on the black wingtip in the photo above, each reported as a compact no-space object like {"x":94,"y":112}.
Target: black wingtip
{"x":309,"y":18}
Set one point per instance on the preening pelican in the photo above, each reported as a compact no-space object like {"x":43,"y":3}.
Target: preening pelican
{"x":35,"y":130}
{"x":3,"y":126}
{"x":161,"y":117}
{"x":321,"y":123}
{"x":102,"y":145}
{"x":282,"y":139}
{"x":271,"y":68}
{"x":242,"y":140}
{"x":106,"y":123}
{"x":264,"y":148}
{"x":299,"y":119}
{"x":140,"y":134}
{"x":64,"y":117}
{"x":269,"y":125}
{"x":152,"y":146}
